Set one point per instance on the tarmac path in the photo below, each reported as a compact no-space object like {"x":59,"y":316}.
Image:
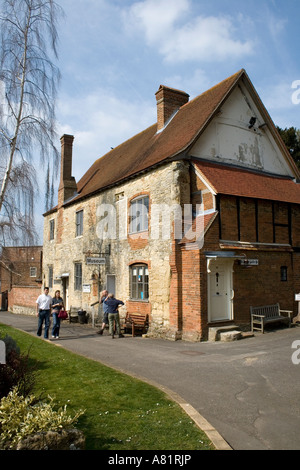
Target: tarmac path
{"x":245,"y":393}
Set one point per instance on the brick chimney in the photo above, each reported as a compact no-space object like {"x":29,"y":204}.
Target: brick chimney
{"x":168,"y":101}
{"x":67,"y":186}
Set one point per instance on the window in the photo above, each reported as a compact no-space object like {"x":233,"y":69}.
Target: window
{"x":283,"y":273}
{"x":50,"y":276}
{"x":33,"y":272}
{"x":138,"y":213}
{"x":79,"y":223}
{"x":78,"y":276}
{"x":139,"y":282}
{"x":52,"y":225}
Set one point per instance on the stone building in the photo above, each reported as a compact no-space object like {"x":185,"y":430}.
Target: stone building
{"x":192,"y":221}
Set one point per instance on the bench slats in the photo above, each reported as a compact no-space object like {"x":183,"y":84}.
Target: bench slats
{"x":136,"y":322}
{"x":267,"y":314}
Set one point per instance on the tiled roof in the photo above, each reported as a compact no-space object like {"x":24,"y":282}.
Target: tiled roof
{"x":150,"y":148}
{"x":239,"y":182}
{"x":199,"y":228}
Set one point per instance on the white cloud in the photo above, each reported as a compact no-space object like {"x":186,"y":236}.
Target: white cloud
{"x":157,"y":18}
{"x":100,"y":121}
{"x":278,"y":96}
{"x":207,"y":39}
{"x":166,"y":27}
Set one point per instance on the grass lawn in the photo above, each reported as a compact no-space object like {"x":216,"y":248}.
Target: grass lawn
{"x":121,"y":413}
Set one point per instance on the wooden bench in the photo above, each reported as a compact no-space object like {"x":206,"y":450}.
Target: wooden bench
{"x":73,"y":314}
{"x":260,"y":316}
{"x":136,"y":321}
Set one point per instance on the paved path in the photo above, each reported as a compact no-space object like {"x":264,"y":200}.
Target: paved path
{"x":247,"y":391}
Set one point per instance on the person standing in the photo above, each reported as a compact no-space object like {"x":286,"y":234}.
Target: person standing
{"x":103,"y":296}
{"x":113,"y":314}
{"x":57,"y":304}
{"x":43,"y":308}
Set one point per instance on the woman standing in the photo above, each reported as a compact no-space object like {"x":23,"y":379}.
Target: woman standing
{"x":57,"y":305}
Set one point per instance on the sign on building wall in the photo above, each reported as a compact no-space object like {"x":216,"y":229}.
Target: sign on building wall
{"x":249,"y":262}
{"x":95,"y":260}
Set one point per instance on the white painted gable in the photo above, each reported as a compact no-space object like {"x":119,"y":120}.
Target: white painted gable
{"x":229,"y":139}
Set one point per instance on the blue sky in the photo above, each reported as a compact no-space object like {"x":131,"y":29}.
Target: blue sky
{"x":114,"y":54}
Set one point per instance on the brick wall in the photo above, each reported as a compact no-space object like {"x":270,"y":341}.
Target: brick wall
{"x":262,"y":284}
{"x":16,"y":264}
{"x":191,"y":298}
{"x":178,"y":278}
{"x":23,"y":299}
{"x":243,"y":222}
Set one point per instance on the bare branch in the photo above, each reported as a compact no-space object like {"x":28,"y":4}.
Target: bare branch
{"x":28,"y":39}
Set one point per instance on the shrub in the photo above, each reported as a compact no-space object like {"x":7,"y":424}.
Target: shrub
{"x":21,"y":417}
{"x":10,"y":345}
{"x":17,"y":372}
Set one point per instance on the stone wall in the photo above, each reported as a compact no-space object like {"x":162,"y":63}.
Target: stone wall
{"x":166,"y":185}
{"x":67,"y":439}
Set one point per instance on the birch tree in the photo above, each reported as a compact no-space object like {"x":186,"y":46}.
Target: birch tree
{"x":28,"y":85}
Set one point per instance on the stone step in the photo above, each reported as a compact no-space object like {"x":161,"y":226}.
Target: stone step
{"x":215,"y":331}
{"x":230,"y":335}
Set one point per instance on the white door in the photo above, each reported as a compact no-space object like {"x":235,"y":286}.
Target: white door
{"x":65,"y":282}
{"x":220,"y":292}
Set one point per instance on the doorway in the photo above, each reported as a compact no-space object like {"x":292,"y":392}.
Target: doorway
{"x":111,"y":283}
{"x":65,"y":285}
{"x":220,"y":291}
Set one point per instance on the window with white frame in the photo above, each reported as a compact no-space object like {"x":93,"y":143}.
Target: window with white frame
{"x":33,"y":271}
{"x":139,"y":282}
{"x":138,"y":212}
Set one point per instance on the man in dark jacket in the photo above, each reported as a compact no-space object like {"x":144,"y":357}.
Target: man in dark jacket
{"x":113,"y":314}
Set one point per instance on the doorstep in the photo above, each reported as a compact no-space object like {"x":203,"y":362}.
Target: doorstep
{"x":214,"y":332}
{"x":227,"y":333}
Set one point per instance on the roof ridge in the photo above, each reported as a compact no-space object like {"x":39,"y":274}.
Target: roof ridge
{"x":149,"y":148}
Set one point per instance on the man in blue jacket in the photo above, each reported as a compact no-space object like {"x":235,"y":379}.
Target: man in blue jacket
{"x":113,"y":314}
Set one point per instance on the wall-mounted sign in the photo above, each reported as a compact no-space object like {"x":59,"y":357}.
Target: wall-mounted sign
{"x":249,"y":262}
{"x":86,"y":288}
{"x":95,"y":260}
{"x":297,"y":297}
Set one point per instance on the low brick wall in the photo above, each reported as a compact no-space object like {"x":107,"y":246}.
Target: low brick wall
{"x":23,"y":299}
